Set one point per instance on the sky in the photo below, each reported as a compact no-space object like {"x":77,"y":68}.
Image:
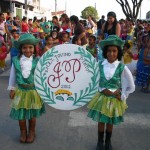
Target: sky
{"x":74,"y":7}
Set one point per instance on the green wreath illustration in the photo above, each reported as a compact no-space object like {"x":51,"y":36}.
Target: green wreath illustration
{"x":79,"y":99}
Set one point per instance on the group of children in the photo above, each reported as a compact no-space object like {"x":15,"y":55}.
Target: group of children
{"x":108,"y":105}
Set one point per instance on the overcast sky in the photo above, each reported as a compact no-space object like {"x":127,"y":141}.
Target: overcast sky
{"x":74,"y":7}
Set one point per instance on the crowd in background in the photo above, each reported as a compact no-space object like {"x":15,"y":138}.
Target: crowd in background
{"x":87,"y":33}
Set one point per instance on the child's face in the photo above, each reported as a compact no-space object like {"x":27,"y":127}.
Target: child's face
{"x":15,"y":35}
{"x":92,"y":42}
{"x":42,"y":35}
{"x":78,"y":42}
{"x":50,"y":40}
{"x":112,"y":54}
{"x":65,"y":38}
{"x":28,"y":50}
{"x":54,"y":35}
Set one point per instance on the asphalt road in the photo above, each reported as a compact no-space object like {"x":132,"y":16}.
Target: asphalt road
{"x":73,"y":130}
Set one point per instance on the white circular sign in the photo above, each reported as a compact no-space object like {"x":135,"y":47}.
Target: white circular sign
{"x":67,"y":77}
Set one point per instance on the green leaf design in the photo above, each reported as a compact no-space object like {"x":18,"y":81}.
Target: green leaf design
{"x":45,"y":94}
{"x":87,"y":94}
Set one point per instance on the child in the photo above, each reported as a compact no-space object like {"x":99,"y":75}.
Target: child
{"x":100,"y":37}
{"x":54,"y":35}
{"x":3,"y":53}
{"x":116,"y":83}
{"x":26,"y":103}
{"x":42,"y":42}
{"x":13,"y":45}
{"x":76,"y":40}
{"x":49,"y":43}
{"x":64,"y":37}
{"x":91,"y":47}
{"x":128,"y":57}
{"x":140,"y":64}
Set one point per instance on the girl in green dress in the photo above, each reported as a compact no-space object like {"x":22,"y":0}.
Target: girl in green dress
{"x":116,"y":83}
{"x":26,"y":103}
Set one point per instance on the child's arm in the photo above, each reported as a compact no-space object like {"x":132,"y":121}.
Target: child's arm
{"x":12,"y":81}
{"x":127,"y":83}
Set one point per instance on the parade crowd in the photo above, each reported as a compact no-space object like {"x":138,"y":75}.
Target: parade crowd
{"x":122,"y":49}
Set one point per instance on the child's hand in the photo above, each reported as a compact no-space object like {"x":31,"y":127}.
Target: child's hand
{"x":12,"y":94}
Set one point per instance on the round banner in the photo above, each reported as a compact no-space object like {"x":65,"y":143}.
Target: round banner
{"x":67,"y":77}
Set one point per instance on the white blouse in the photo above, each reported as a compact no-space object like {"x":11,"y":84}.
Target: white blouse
{"x":127,"y":81}
{"x":26,"y":66}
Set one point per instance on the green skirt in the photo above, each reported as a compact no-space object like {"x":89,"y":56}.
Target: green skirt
{"x":106,"y":109}
{"x":26,"y":104}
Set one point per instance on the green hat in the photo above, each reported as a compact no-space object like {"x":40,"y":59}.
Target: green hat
{"x":27,"y":38}
{"x":113,"y":40}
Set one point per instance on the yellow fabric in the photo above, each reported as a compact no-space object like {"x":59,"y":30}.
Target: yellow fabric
{"x":2,"y":64}
{"x":127,"y":58}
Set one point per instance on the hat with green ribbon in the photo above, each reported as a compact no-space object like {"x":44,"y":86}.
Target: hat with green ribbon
{"x":112,"y":40}
{"x":27,"y":38}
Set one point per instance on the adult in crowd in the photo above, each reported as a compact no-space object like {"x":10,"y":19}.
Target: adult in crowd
{"x":24,"y":25}
{"x":16,"y":23}
{"x":100,"y":23}
{"x":66,"y":24}
{"x":35,"y":25}
{"x":56,"y":24}
{"x":111,"y":26}
{"x":2,"y":24}
{"x":78,"y":29}
{"x":91,"y":25}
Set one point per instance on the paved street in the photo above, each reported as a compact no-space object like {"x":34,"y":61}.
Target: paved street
{"x":72,"y":130}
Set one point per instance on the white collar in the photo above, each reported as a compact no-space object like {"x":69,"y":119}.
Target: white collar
{"x":115,"y":63}
{"x":23,"y":57}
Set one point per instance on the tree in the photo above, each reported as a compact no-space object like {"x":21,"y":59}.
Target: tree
{"x":89,"y":11}
{"x":130,"y":13}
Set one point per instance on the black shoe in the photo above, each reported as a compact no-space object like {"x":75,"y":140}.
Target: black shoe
{"x":108,"y":145}
{"x":100,"y":141}
{"x":100,"y":145}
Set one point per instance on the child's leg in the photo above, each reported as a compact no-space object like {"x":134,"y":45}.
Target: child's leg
{"x":101,"y":127}
{"x":23,"y":130}
{"x":31,"y":134}
{"x":109,"y":129}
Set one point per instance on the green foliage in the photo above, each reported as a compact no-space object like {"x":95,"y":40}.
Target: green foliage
{"x":90,"y":10}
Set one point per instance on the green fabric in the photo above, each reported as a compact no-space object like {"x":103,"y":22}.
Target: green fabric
{"x":19,"y":78}
{"x":112,"y":40}
{"x":23,"y":114}
{"x":29,"y":99}
{"x":110,"y":107}
{"x":91,"y":50}
{"x":98,"y":117}
{"x":27,"y":38}
{"x":115,"y":81}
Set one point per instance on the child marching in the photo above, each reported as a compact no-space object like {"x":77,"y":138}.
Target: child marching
{"x":116,"y":83}
{"x":26,"y":103}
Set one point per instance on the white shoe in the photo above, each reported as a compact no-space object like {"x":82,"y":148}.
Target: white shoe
{"x":3,"y":69}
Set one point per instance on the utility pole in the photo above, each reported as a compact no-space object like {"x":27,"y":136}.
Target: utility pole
{"x":26,"y":8}
{"x":55,"y":7}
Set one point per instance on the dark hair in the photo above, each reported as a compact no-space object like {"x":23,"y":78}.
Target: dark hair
{"x":93,"y":37}
{"x":75,"y":39}
{"x":51,"y":34}
{"x":55,"y":17}
{"x":74,"y":19}
{"x":47,"y":37}
{"x":20,"y":50}
{"x":127,"y":45}
{"x":66,"y":17}
{"x":14,"y":30}
{"x":120,"y":52}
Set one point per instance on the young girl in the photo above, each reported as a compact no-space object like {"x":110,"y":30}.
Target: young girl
{"x":13,"y":45}
{"x":116,"y":83}
{"x":54,"y":34}
{"x":76,"y":40}
{"x":3,"y":53}
{"x":128,"y":57}
{"x":49,"y":43}
{"x":64,"y":37}
{"x":26,"y":103}
{"x":91,"y":47}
